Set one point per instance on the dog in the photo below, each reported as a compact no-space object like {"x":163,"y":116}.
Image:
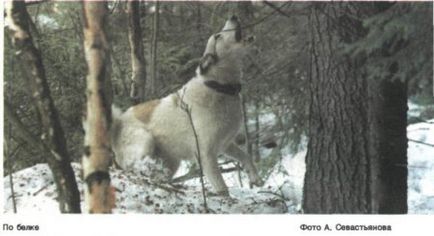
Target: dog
{"x":163,"y":128}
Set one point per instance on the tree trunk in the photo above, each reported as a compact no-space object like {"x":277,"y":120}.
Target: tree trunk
{"x":389,"y":137}
{"x":248,"y":143}
{"x":356,"y":160}
{"x":390,"y":140}
{"x":138,"y":62}
{"x":53,"y":138}
{"x":154,"y":46}
{"x":337,"y":162}
{"x":99,"y":194}
{"x":257,"y":133}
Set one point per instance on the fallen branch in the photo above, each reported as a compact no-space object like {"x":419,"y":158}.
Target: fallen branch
{"x":420,"y":142}
{"x":40,"y":190}
{"x":195,"y":173}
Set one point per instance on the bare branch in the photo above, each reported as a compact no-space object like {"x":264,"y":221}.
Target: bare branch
{"x":195,"y":173}
{"x":187,"y":110}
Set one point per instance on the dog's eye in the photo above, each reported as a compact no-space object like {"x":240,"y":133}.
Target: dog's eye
{"x":217,"y":36}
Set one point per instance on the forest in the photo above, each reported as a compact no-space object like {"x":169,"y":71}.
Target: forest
{"x":337,"y":101}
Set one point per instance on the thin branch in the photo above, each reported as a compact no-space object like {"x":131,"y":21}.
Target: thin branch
{"x":41,"y":189}
{"x":195,"y":173}
{"x":11,"y":154}
{"x":422,"y":120}
{"x":187,"y":109}
{"x":417,"y":141}
{"x":275,"y":8}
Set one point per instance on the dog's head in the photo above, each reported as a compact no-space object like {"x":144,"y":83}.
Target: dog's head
{"x":226,"y":46}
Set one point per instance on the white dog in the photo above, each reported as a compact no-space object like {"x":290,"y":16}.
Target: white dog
{"x":161,"y":128}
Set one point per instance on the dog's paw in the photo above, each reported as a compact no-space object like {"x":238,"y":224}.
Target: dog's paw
{"x":224,"y":193}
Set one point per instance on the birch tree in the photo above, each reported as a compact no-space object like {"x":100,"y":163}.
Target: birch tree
{"x":99,"y":194}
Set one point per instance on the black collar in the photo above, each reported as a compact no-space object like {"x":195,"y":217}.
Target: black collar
{"x":229,"y":89}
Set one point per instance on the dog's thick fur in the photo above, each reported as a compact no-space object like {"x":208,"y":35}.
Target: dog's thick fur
{"x":161,"y":128}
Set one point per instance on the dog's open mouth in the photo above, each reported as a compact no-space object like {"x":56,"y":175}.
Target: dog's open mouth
{"x":234,"y":24}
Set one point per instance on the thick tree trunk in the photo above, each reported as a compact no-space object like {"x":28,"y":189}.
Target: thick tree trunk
{"x":99,"y":195}
{"x":53,"y":138}
{"x":356,"y":160}
{"x":337,"y":162}
{"x":138,"y":63}
{"x":154,"y":46}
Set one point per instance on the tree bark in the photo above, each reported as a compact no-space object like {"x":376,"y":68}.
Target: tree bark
{"x":53,"y":138}
{"x":138,"y":63}
{"x":154,"y":46}
{"x":99,"y":194}
{"x":357,"y":152}
{"x":338,"y":164}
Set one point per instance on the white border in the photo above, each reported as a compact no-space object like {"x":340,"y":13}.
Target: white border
{"x":2,"y":9}
{"x":197,"y":224}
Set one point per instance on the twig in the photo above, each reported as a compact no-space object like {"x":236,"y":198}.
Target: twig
{"x":422,"y":120}
{"x":195,"y":173}
{"x":11,"y":154}
{"x":11,"y":181}
{"x":278,"y":9}
{"x":263,"y":19}
{"x":187,"y":110}
{"x":274,"y":194}
{"x":416,"y":141}
{"x":281,"y":197}
{"x":167,"y":188}
{"x":40,"y":190}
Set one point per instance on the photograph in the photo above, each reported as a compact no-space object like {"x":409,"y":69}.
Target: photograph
{"x":218,"y":107}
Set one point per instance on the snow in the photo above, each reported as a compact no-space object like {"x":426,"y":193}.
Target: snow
{"x":135,"y":193}
{"x":421,"y":168}
{"x":282,"y":192}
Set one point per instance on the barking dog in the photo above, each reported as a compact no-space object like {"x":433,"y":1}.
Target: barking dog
{"x":161,"y":128}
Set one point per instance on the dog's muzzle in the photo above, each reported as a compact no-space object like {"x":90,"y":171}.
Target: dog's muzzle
{"x":238,"y":35}
{"x":233,"y":24}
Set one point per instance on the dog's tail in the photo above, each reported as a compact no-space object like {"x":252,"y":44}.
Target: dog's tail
{"x":115,"y":130}
{"x":116,"y":112}
{"x":116,"y":123}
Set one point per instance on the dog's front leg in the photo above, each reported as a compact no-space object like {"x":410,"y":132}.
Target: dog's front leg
{"x":212,"y":172}
{"x":246,"y":161}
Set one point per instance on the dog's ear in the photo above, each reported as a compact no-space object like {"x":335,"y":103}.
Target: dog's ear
{"x":206,"y":62}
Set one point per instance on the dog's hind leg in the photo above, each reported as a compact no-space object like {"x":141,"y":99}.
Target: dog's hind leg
{"x":131,"y":144}
{"x":236,"y":153}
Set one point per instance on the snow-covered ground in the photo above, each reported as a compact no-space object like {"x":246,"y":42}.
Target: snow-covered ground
{"x":282,"y":192}
{"x":35,"y":192}
{"x":421,"y":168}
